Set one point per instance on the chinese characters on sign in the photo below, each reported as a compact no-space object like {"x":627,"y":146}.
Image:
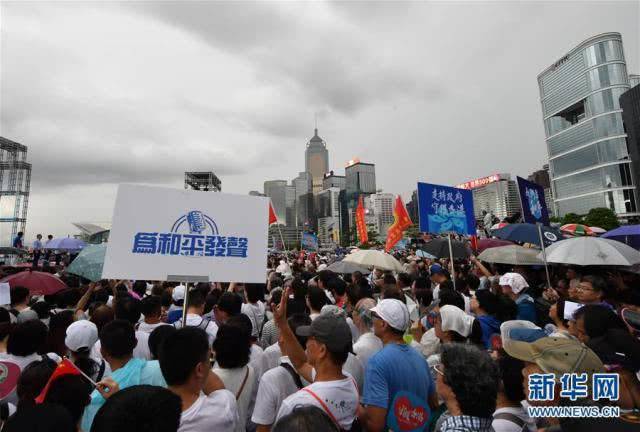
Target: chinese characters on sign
{"x":479,"y":182}
{"x":189,"y":245}
{"x":574,"y":386}
{"x":445,"y":209}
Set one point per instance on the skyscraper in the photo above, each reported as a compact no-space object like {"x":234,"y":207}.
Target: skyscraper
{"x":360,"y":178}
{"x":586,"y":141}
{"x":383,"y":204}
{"x":277,"y":191}
{"x":630,"y":104}
{"x":316,"y":161}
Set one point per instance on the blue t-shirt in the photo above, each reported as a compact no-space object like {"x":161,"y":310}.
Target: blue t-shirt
{"x":397,"y":367}
{"x":526,"y":308}
{"x":174,"y":315}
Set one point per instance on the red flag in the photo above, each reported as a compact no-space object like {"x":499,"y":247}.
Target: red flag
{"x":64,"y":368}
{"x":474,"y":243}
{"x":401,"y":221}
{"x":272,"y":214}
{"x":361,"y":225}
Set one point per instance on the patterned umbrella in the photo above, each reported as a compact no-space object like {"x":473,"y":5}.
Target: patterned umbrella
{"x":89,"y":262}
{"x":577,"y":230}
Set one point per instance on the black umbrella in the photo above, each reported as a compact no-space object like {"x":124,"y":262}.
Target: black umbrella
{"x":440,"y":248}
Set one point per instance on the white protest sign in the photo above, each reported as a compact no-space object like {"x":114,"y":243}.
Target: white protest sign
{"x":158,"y":233}
{"x":5,"y":293}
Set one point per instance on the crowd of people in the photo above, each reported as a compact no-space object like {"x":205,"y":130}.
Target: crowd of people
{"x":312,"y":350}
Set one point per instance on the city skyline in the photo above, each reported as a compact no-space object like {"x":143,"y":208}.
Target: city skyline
{"x":151,"y":102}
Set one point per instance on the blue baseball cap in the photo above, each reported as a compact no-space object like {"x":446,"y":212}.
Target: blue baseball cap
{"x":436,"y":269}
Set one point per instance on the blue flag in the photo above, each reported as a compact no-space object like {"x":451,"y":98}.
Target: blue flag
{"x":534,"y":206}
{"x":445,"y":209}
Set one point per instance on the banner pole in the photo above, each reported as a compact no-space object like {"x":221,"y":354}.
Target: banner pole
{"x":284,"y":245}
{"x":184,"y":305}
{"x":453,"y":272}
{"x":544,"y":255}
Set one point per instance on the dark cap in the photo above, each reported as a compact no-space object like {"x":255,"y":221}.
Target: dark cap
{"x":331,"y":330}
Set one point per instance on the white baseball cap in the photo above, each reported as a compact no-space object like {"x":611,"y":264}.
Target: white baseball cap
{"x":394,"y":313}
{"x":515,"y":281}
{"x":178,"y":293}
{"x":81,"y":334}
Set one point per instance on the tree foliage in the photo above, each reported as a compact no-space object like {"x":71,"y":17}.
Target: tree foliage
{"x":602,"y":217}
{"x":572,"y":218}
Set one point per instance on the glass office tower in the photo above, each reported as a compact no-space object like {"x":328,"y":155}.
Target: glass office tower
{"x":588,"y":158}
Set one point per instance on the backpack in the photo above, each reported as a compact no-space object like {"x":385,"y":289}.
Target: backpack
{"x":204,"y":323}
{"x":513,"y":419}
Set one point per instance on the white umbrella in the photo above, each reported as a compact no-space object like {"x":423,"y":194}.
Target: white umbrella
{"x":375,"y":258}
{"x":598,"y":230}
{"x":511,"y":254}
{"x":585,"y":251}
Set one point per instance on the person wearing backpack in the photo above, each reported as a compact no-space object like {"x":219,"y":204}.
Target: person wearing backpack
{"x":254,"y":307}
{"x":328,"y":346}
{"x":278,"y":383}
{"x":195,"y":312}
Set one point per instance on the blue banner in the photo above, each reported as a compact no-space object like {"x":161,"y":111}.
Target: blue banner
{"x":534,"y":206}
{"x":445,"y":209}
{"x":309,"y":241}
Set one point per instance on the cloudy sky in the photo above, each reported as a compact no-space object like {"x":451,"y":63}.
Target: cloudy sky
{"x":105,"y":93}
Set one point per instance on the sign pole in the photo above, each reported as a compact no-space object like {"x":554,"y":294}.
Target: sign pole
{"x":184,"y":305}
{"x":544,"y":254}
{"x":453,"y":272}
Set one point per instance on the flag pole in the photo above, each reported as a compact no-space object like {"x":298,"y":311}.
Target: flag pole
{"x":544,"y":254}
{"x":284,"y":245}
{"x":184,"y":305}
{"x":453,"y":271}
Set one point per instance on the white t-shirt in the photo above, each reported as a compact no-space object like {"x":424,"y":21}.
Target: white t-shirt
{"x":149,"y":328}
{"x":216,"y":412}
{"x":355,"y":333}
{"x":232,"y":379}
{"x":340,"y":397}
{"x":275,"y":386}
{"x":195,"y":320}
{"x":256,"y":360}
{"x":271,"y":357}
{"x":367,"y":345}
{"x":500,"y":425}
{"x":255,"y":312}
{"x":353,"y":366}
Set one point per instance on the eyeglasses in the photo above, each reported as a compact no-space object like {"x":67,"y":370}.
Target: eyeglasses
{"x":584,"y":288}
{"x":439,"y":368}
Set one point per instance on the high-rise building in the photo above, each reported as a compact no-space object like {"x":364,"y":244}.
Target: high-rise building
{"x":586,"y":141}
{"x":328,"y":212}
{"x":496,"y":193}
{"x":316,"y":160}
{"x":290,"y":205}
{"x":360,"y":178}
{"x":332,"y":180}
{"x":256,"y":193}
{"x":541,"y":177}
{"x":412,"y":208}
{"x":15,"y":185}
{"x":634,"y":80}
{"x":383,"y":211}
{"x":277,"y":191}
{"x":630,"y":104}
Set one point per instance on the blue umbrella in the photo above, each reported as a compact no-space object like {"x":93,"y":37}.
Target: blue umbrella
{"x":422,"y":254}
{"x":527,"y":233}
{"x":66,"y":244}
{"x":629,"y":234}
